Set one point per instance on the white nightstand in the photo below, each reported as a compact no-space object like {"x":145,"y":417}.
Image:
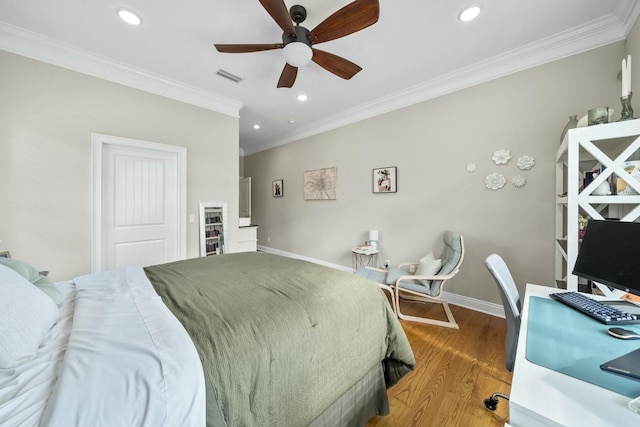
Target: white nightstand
{"x":364,"y":258}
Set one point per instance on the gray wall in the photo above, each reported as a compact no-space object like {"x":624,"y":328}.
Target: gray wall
{"x":632,"y":47}
{"x":431,"y":143}
{"x":47,"y":115}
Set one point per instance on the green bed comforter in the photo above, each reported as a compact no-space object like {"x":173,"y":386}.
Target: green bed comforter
{"x":280,"y":339}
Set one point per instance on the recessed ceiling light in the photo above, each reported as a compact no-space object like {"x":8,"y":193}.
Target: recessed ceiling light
{"x":256,"y":126}
{"x":292,"y":121}
{"x":129,"y":17}
{"x":302,"y":97}
{"x":470,"y":13}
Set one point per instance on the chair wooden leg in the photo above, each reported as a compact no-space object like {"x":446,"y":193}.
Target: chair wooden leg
{"x":451,"y":323}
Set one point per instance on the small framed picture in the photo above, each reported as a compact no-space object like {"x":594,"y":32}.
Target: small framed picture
{"x":276,"y":188}
{"x":385,"y":180}
{"x":5,"y":254}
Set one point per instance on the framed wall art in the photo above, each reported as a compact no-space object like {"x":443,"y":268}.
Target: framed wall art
{"x":276,"y":188}
{"x":320,"y":184}
{"x":385,"y":180}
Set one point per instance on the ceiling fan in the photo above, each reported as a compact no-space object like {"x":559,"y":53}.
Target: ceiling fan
{"x":297,"y":41}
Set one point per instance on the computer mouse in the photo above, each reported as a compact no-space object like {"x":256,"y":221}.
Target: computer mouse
{"x":624,"y":334}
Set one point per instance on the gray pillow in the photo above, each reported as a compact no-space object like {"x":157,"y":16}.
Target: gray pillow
{"x":30,"y":273}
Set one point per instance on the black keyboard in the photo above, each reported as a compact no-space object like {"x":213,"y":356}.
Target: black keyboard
{"x":596,"y":309}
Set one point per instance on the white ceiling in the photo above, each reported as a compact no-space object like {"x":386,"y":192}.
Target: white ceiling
{"x":416,"y":51}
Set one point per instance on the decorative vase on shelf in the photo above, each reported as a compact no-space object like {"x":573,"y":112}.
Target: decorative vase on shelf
{"x":627,"y":109}
{"x":571,"y":124}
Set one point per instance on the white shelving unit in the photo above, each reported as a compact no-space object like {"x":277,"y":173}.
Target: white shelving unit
{"x":608,"y":147}
{"x":213,"y":228}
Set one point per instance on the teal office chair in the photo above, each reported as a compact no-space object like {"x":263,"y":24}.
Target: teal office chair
{"x":512,"y":307}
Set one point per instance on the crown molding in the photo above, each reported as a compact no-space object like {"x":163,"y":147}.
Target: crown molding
{"x":606,"y":30}
{"x":36,"y":46}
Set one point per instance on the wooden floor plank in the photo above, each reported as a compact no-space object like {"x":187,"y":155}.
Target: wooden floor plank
{"x":456,"y":369}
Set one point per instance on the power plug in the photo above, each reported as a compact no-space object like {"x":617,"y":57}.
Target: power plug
{"x":387,"y":263}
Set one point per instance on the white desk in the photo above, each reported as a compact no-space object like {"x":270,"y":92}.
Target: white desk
{"x":543,"y":397}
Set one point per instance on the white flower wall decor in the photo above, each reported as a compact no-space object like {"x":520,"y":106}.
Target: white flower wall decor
{"x":471,"y":167}
{"x":501,"y":157}
{"x":525,"y":162}
{"x":518,"y":181}
{"x":494,"y":181}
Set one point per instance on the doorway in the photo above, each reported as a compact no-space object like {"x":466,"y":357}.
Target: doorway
{"x":139,"y":203}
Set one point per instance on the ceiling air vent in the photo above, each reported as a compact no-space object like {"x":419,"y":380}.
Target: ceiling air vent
{"x":228,"y":75}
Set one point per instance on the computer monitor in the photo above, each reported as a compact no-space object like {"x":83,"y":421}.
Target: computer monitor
{"x":610,"y":254}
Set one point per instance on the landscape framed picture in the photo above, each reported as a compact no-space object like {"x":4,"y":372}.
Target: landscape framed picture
{"x":385,"y":180}
{"x":276,"y":188}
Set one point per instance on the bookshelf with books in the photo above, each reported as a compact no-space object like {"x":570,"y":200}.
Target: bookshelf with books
{"x":213,"y":228}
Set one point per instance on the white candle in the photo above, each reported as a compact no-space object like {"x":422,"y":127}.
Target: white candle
{"x":628,"y":74}
{"x":624,"y":78}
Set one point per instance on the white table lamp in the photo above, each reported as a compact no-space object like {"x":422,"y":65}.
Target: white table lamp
{"x":373,"y":238}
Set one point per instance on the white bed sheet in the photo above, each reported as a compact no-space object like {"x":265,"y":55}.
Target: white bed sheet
{"x":24,"y":390}
{"x":128,"y":362}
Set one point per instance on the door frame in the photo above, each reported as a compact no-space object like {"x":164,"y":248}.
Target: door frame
{"x":98,"y":144}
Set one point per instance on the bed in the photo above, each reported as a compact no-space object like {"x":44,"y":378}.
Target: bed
{"x":250,"y":339}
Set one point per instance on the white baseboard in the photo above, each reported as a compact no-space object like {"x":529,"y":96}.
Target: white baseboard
{"x":455,"y":299}
{"x":474,"y":304}
{"x":304,"y":258}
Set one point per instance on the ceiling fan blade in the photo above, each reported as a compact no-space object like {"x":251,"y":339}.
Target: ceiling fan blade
{"x":335,"y":64}
{"x":353,"y":17}
{"x":288,"y":76}
{"x":244,"y":48}
{"x":279,"y":12}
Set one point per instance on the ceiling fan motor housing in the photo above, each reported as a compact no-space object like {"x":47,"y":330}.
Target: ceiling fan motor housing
{"x":297,"y":49}
{"x":302,"y":36}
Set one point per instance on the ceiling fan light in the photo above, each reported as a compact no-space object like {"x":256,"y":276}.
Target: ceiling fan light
{"x":297,"y":54}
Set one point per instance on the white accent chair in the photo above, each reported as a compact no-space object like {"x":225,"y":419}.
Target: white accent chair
{"x":423,"y":280}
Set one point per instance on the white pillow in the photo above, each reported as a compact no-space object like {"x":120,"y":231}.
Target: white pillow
{"x":26,"y":315}
{"x":31,"y":274}
{"x":428,"y":266}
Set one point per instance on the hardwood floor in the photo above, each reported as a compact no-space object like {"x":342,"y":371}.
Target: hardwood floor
{"x":456,"y":369}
